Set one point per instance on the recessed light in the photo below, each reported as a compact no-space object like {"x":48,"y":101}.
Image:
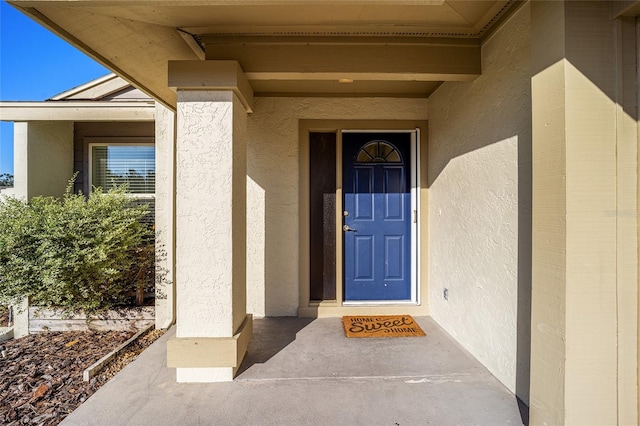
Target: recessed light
{"x":345,"y":80}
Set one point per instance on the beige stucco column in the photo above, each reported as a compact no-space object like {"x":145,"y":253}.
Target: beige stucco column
{"x":213,"y":329}
{"x":584,"y":277}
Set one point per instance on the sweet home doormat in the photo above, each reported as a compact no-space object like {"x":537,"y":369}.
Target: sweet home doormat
{"x":381,"y":326}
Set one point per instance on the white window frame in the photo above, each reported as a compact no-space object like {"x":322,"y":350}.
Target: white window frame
{"x":118,"y":141}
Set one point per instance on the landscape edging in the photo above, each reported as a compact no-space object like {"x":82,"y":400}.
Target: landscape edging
{"x":97,"y":366}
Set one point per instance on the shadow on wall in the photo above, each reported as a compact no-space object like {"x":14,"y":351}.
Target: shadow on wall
{"x":272,"y":212}
{"x":468,"y":117}
{"x":438,"y":163}
{"x":477,"y":108}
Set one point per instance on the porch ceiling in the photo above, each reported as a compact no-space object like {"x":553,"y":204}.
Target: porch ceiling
{"x":286,"y":47}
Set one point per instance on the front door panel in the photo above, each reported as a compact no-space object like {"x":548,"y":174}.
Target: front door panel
{"x":377,"y":216}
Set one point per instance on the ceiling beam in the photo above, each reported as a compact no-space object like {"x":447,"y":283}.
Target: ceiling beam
{"x":366,"y":61}
{"x":332,"y":40}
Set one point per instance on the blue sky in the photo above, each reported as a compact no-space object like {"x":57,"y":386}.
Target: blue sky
{"x":35,"y":65}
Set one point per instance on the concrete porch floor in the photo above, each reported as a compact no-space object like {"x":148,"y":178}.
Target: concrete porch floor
{"x":305,"y":372}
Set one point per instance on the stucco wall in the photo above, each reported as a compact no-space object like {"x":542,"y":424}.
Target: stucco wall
{"x":38,"y":146}
{"x":272,"y":188}
{"x":479,"y":206}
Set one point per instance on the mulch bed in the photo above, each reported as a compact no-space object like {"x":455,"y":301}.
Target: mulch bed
{"x":4,"y":316}
{"x":41,"y":374}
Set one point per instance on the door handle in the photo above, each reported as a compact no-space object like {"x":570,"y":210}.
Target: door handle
{"x":347,"y":228}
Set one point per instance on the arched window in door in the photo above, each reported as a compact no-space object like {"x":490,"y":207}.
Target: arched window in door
{"x":378,"y":151}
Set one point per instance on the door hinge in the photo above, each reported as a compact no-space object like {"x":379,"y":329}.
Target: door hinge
{"x":415,"y":216}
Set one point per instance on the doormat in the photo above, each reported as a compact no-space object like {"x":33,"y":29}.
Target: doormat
{"x":381,"y":326}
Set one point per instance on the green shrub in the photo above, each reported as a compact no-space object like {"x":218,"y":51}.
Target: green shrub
{"x":73,"y":253}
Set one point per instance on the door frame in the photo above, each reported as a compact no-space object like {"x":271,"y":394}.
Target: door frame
{"x":414,"y":179}
{"x":334,"y":308}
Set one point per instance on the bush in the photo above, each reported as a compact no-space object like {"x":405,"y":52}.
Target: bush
{"x":73,"y":253}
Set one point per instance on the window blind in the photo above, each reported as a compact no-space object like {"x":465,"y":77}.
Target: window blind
{"x":134,"y":165}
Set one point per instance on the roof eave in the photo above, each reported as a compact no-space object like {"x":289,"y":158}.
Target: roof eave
{"x":132,"y":68}
{"x":77,"y":111}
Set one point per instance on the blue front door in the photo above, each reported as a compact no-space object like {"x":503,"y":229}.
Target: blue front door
{"x":377,"y":216}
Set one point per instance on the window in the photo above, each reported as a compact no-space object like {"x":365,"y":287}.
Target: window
{"x":114,"y":164}
{"x":378,"y":152}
